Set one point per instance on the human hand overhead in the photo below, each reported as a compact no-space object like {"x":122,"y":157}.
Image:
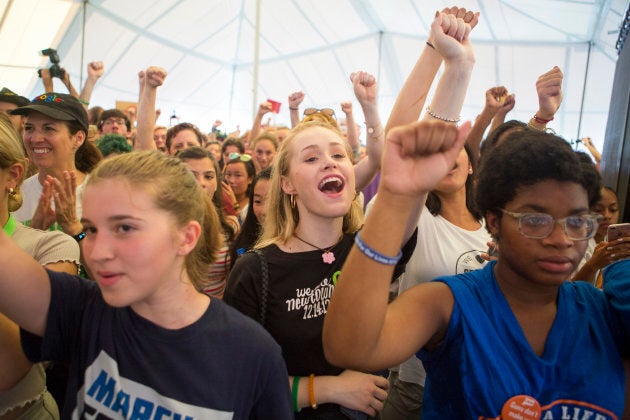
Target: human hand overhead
{"x":264,"y":108}
{"x":346,"y":107}
{"x":365,"y":87}
{"x":549,"y":90}
{"x":449,"y":36}
{"x":295,"y":99}
{"x":508,"y":104}
{"x":95,"y":69}
{"x":155,"y":76}
{"x":418,"y":155}
{"x":494,"y":98}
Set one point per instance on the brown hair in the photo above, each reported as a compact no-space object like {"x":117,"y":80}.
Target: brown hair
{"x":177,"y":192}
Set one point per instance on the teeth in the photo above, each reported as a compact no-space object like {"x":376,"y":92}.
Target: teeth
{"x":41,"y":150}
{"x":331,"y":179}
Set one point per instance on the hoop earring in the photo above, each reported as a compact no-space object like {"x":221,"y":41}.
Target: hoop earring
{"x":292,"y":200}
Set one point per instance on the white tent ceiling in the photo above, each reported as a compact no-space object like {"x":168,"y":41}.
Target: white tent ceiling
{"x":208,"y":49}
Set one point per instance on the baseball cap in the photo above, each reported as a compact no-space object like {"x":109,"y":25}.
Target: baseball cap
{"x":7,"y":95}
{"x":59,"y":106}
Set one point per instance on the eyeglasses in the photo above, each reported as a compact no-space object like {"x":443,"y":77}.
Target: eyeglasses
{"x":242,"y":157}
{"x":326,"y":111}
{"x":111,"y":121}
{"x":540,"y":225}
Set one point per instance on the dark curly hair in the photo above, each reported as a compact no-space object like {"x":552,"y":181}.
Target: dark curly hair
{"x":525,"y":158}
{"x":497,"y":134}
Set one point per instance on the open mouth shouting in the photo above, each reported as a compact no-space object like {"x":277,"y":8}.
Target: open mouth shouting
{"x":331,"y":185}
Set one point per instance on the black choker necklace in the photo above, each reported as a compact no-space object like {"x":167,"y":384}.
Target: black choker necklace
{"x":328,"y":256}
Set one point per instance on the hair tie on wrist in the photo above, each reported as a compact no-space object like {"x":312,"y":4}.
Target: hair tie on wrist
{"x":430,"y":45}
{"x":541,"y":120}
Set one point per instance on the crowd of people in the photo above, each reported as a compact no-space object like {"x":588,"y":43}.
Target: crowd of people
{"x":438,"y":270}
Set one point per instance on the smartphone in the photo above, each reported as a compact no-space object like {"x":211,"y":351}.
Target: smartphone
{"x":617,"y":231}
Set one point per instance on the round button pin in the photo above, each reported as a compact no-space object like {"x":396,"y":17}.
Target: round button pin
{"x":521,"y":407}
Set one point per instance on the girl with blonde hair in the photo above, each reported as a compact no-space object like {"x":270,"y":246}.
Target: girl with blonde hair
{"x":312,"y":218}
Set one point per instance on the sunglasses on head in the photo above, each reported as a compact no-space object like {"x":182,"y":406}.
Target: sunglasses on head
{"x":326,"y":111}
{"x":242,"y":157}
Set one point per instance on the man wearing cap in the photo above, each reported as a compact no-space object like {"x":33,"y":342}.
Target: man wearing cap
{"x":9,"y":101}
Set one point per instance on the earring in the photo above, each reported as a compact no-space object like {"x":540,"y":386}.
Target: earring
{"x":292,"y":200}
{"x":12,"y":192}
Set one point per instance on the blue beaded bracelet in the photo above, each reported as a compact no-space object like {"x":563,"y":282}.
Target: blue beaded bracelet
{"x":374,"y":255}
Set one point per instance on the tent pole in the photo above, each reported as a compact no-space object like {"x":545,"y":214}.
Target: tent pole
{"x":82,"y":43}
{"x":256,"y":60}
{"x":588,"y":62}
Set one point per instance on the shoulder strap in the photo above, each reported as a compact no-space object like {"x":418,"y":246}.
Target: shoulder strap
{"x":264,"y":287}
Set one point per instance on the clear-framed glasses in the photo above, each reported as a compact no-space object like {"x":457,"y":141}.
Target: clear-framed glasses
{"x":540,"y":225}
{"x":327,"y":111}
{"x":242,"y":157}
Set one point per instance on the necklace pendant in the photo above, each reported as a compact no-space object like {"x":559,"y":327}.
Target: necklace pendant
{"x":328,"y":257}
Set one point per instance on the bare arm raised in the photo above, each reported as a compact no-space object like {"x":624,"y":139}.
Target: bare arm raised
{"x":417,"y":156}
{"x":295,"y":99}
{"x":365,"y":89}
{"x":149,"y":80}
{"x":413,"y":95}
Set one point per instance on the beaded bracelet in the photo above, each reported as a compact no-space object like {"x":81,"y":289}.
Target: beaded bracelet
{"x":375,"y":255}
{"x":434,"y":115}
{"x":295,"y":386}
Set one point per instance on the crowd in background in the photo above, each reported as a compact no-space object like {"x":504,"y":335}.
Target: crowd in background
{"x":434,"y":269}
